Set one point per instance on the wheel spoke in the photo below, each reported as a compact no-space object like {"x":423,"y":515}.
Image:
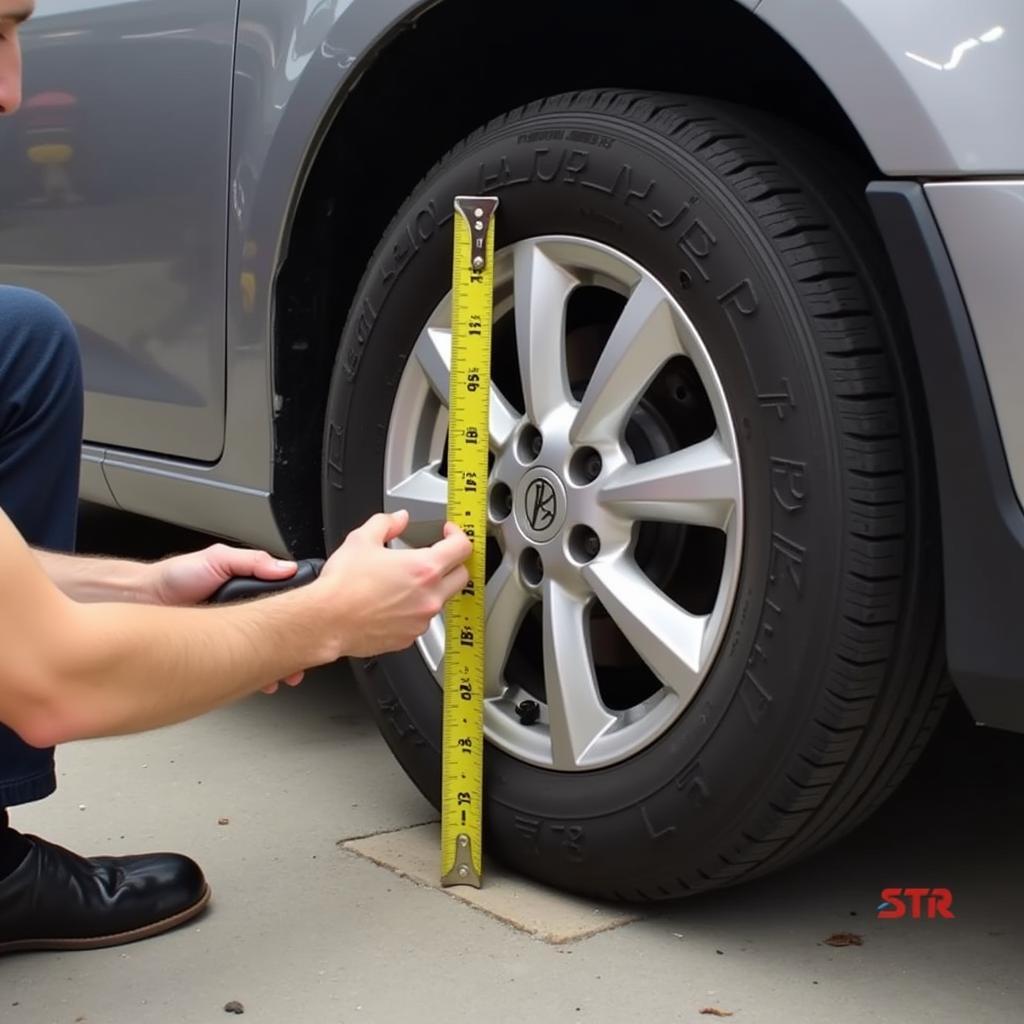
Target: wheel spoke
{"x":425,"y":495}
{"x":542,"y":290}
{"x":576,"y":715}
{"x":433,"y":353}
{"x":643,"y":339}
{"x":698,"y":485}
{"x":668,"y":638}
{"x":507,"y":603}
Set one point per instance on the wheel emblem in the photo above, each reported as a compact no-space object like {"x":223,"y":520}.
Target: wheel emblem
{"x":541,"y":505}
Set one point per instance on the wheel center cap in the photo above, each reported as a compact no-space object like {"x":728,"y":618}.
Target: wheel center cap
{"x":540,"y":505}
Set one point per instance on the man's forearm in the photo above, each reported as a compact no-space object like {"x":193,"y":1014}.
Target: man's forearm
{"x":72,"y":670}
{"x":126,"y":668}
{"x":98,"y":579}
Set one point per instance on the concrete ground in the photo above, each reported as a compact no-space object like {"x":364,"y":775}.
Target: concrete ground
{"x":302,"y":929}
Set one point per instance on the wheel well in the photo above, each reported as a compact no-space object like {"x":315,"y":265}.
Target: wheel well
{"x":428,"y":87}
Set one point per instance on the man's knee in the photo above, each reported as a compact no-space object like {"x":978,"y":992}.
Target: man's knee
{"x":37,"y":341}
{"x":41,"y":413}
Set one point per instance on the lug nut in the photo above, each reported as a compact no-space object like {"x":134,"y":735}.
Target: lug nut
{"x":500,"y":501}
{"x":585,"y":466}
{"x":528,"y":712}
{"x":530,"y":444}
{"x":584,"y":544}
{"x":531,"y":568}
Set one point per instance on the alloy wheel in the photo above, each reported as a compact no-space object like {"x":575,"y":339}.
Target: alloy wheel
{"x":615,"y":502}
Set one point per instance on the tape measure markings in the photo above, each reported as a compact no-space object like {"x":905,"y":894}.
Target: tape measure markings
{"x":462,"y":745}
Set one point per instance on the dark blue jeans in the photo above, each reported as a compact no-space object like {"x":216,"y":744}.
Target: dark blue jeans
{"x":40,"y":447}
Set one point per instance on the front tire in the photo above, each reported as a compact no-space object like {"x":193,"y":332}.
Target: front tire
{"x":816,"y":688}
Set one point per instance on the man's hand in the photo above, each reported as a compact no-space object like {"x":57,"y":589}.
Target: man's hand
{"x":383,"y":599}
{"x":192,"y":578}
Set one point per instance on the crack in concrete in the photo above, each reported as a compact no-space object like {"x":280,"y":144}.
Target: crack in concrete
{"x":384,"y":831}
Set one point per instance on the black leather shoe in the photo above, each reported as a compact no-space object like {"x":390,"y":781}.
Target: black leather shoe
{"x":58,"y":900}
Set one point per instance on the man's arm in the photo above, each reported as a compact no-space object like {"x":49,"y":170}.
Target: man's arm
{"x":96,"y":579}
{"x":70,"y":670}
{"x":183,"y":579}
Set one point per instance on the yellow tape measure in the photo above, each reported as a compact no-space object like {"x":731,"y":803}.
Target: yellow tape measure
{"x":462,"y":749}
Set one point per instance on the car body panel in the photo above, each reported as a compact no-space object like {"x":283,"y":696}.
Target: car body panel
{"x":293,"y":58}
{"x":933,"y":87}
{"x":981,"y":519}
{"x":982,"y":224}
{"x":113,"y":195}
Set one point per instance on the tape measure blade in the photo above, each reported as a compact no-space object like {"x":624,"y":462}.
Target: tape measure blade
{"x":469,"y":391}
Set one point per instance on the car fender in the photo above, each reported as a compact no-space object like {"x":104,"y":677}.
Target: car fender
{"x":295,"y":59}
{"x":933,"y":87}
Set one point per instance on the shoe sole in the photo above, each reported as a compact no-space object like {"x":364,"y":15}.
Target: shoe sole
{"x":119,"y":939}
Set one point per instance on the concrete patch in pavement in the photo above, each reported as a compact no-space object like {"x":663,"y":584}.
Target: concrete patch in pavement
{"x":414,"y":853}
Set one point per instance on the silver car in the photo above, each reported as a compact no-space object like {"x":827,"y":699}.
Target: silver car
{"x":759,"y":296}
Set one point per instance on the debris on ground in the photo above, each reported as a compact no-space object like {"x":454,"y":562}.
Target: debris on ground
{"x":716,"y":1011}
{"x":223,"y":821}
{"x":234,"y":1007}
{"x":845,"y":939}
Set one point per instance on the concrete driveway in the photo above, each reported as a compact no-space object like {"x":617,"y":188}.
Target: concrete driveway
{"x":304,"y":929}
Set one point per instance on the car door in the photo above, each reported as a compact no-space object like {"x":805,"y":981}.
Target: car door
{"x":113,"y":201}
